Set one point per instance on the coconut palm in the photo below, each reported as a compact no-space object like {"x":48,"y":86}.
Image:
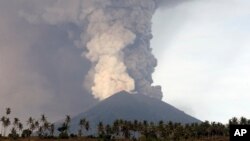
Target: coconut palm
{"x":84,"y":125}
{"x":2,"y":120}
{"x":46,"y":127}
{"x":43,"y":118}
{"x":234,"y":121}
{"x":37,"y":124}
{"x":30,"y":121}
{"x":100,"y":129}
{"x":40,"y":131}
{"x":5,"y":120}
{"x":52,"y":130}
{"x":31,"y":124}
{"x":243,"y":121}
{"x":81,"y":124}
{"x":6,"y":123}
{"x":20,"y":127}
{"x":125,"y":129}
{"x":13,"y":133}
{"x":15,"y":123}
{"x":68,"y":119}
{"x":32,"y":127}
{"x":248,"y":121}
{"x":116,"y":128}
{"x":108,"y":130}
{"x":87,"y":126}
{"x":8,"y":111}
{"x":67,"y":122}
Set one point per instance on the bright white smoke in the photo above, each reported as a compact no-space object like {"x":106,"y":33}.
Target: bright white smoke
{"x":105,"y":51}
{"x":116,"y":38}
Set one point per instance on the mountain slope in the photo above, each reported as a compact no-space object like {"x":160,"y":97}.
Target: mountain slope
{"x":130,"y":107}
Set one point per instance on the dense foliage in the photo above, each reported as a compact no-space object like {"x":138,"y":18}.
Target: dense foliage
{"x":120,"y":129}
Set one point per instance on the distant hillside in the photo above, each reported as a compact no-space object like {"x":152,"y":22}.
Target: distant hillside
{"x":131,"y":107}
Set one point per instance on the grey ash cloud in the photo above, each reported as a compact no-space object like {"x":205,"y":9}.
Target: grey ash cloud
{"x":41,"y":68}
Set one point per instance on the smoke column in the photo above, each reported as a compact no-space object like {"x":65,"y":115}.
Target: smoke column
{"x":115,"y":36}
{"x":118,"y":47}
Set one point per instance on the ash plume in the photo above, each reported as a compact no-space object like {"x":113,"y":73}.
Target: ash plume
{"x":115,"y":36}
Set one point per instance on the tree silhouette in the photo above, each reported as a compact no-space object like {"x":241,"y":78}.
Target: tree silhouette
{"x":6,"y":123}
{"x":100,"y":129}
{"x":20,"y":127}
{"x":243,"y":121}
{"x":52,"y":130}
{"x":82,"y":125}
{"x":8,"y":111}
{"x":123,"y":129}
{"x":15,"y":123}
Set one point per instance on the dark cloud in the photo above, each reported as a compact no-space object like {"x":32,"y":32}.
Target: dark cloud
{"x":41,"y":69}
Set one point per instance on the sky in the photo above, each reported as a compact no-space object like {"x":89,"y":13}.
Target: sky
{"x":203,"y":52}
{"x":201,"y":47}
{"x":41,"y":71}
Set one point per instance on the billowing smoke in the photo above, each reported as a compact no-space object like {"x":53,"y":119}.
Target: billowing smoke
{"x":115,"y":36}
{"x":118,"y":35}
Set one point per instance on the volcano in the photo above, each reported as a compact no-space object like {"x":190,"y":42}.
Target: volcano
{"x":131,"y":107}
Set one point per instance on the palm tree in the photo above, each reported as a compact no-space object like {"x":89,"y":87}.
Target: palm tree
{"x":5,"y":120}
{"x":46,"y":127}
{"x":234,"y":121}
{"x":68,"y":119}
{"x":81,"y":124}
{"x":43,"y":118}
{"x":40,"y":131}
{"x":64,"y":127}
{"x":15,"y":123}
{"x":32,"y":127}
{"x":13,"y":134}
{"x":31,"y":124}
{"x":87,"y":126}
{"x":248,"y":121}
{"x":108,"y":130}
{"x":52,"y":130}
{"x":116,"y":127}
{"x":8,"y":111}
{"x":125,"y":129}
{"x":145,"y":128}
{"x":30,"y":121}
{"x":243,"y":121}
{"x":20,"y":127}
{"x":66,"y":123}
{"x":37,"y":124}
{"x":2,"y":120}
{"x":6,"y":123}
{"x":161,"y":130}
{"x":84,"y":124}
{"x":100,"y":129}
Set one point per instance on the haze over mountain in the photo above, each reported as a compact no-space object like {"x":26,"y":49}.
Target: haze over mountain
{"x":131,"y":107}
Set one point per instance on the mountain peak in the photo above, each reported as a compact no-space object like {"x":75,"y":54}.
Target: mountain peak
{"x":128,"y":106}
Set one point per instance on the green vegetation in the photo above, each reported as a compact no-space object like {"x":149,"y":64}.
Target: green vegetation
{"x":42,"y":129}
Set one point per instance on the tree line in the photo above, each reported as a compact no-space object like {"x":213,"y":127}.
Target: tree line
{"x":119,"y":129}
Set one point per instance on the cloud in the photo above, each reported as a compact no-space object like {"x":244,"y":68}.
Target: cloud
{"x":204,"y":57}
{"x":41,"y":71}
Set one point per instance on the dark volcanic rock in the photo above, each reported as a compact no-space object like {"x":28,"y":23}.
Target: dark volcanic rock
{"x":131,"y":107}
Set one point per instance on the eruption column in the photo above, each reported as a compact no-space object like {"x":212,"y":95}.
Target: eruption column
{"x":115,"y":36}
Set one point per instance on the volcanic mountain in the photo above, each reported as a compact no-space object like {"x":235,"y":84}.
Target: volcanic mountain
{"x":131,"y":107}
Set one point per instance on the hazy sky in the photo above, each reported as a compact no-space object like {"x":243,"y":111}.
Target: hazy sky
{"x":201,"y":47}
{"x":203,"y":51}
{"x":41,"y":71}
